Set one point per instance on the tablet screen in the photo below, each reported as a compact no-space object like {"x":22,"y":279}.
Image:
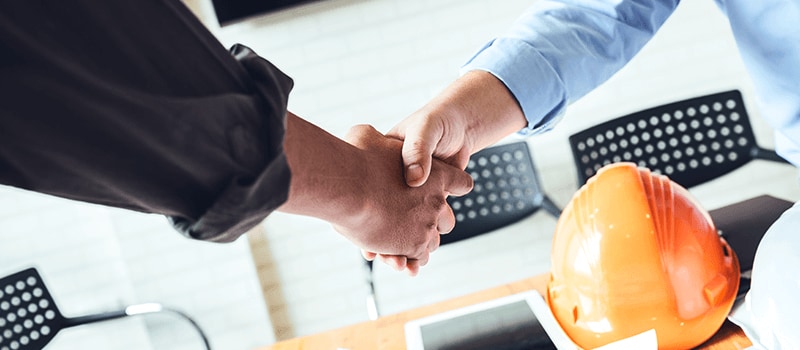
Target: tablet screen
{"x":511,"y":326}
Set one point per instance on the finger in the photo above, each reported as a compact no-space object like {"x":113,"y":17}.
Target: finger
{"x":368,"y":255}
{"x":397,"y":262}
{"x":447,"y":220}
{"x":418,"y":148}
{"x":413,"y":267}
{"x":434,"y":243}
{"x":460,"y":159}
{"x":422,"y":261}
{"x":457,"y":182}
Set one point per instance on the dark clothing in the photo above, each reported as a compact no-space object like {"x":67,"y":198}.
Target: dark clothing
{"x":134,"y":104}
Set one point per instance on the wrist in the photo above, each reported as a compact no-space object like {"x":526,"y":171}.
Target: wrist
{"x":326,"y":173}
{"x":489,"y":108}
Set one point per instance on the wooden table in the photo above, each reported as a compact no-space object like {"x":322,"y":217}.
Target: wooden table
{"x":387,"y":332}
{"x":741,"y":223}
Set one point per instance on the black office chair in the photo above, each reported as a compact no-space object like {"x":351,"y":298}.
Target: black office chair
{"x":507,"y":189}
{"x":691,"y":141}
{"x":30,"y":319}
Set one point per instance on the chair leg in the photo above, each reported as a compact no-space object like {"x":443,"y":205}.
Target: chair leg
{"x":372,"y":307}
{"x":765,"y":154}
{"x":551,"y":207}
{"x":372,"y":304}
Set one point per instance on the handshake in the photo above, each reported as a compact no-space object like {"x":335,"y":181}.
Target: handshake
{"x":397,"y":222}
{"x":358,"y":185}
{"x":388,"y":193}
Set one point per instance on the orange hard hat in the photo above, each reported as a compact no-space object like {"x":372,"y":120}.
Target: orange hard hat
{"x":633,"y":252}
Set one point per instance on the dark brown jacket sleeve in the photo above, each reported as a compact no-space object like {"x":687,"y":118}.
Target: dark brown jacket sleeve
{"x":134,"y":104}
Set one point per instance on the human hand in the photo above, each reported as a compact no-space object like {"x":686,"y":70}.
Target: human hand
{"x":432,"y":133}
{"x":400,"y":224}
{"x":475,"y":111}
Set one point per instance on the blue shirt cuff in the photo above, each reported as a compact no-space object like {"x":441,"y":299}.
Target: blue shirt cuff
{"x":516,"y":63}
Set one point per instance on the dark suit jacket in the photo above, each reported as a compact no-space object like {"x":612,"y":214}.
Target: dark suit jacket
{"x":134,"y":104}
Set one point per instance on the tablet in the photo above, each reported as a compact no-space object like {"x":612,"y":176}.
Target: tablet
{"x":515,"y":322}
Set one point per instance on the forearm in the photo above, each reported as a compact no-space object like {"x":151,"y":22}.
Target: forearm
{"x":325,"y":172}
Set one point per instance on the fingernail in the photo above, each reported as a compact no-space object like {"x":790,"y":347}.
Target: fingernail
{"x":413,"y":173}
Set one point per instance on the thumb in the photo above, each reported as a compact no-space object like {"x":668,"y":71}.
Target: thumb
{"x":368,"y":255}
{"x":417,"y":155}
{"x":457,"y":181}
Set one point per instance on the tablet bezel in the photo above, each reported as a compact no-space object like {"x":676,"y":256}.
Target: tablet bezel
{"x":534,"y":300}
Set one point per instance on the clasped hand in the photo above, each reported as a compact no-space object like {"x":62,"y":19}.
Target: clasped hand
{"x":398,"y":223}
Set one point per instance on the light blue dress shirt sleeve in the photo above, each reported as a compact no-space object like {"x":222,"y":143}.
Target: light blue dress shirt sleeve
{"x":558,"y":51}
{"x":767,"y":33}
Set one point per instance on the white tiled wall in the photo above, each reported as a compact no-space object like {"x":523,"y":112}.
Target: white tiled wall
{"x":96,"y":259}
{"x":353,"y":61}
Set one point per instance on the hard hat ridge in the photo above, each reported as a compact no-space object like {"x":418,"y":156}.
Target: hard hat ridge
{"x":633,"y":251}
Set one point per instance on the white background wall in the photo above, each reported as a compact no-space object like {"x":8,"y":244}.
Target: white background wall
{"x":353,"y":61}
{"x":97,"y":259}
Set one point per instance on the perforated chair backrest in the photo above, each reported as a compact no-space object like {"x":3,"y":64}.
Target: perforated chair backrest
{"x":29,"y":318}
{"x":507,"y":189}
{"x":691,"y":141}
